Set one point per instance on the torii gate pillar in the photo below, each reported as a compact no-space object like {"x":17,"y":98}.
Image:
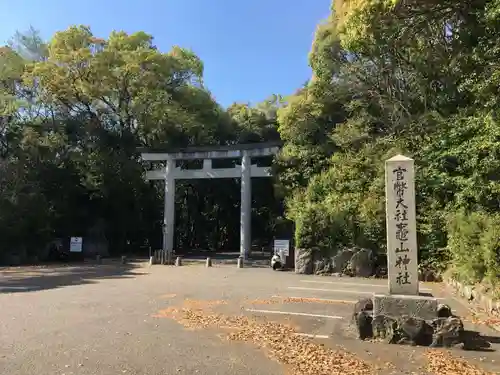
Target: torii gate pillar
{"x":169,"y":210}
{"x":245,"y":207}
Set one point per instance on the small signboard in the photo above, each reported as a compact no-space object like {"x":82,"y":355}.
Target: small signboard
{"x":282,"y":247}
{"x":75,"y":244}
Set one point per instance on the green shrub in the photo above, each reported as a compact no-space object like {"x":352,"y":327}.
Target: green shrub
{"x":332,"y":213}
{"x":474,"y":247}
{"x":317,"y":227}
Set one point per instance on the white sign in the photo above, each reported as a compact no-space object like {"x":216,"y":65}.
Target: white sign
{"x":75,"y":244}
{"x":282,"y":247}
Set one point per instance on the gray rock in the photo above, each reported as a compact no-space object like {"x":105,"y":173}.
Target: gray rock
{"x":362,"y":263}
{"x":322,"y":266}
{"x":364,"y":325}
{"x":303,"y":261}
{"x":385,"y":327}
{"x":414,"y":331}
{"x":443,"y":311}
{"x":341,"y":260}
{"x":447,"y":332}
{"x":439,"y":332}
{"x":362,"y":318}
{"x":364,"y":304}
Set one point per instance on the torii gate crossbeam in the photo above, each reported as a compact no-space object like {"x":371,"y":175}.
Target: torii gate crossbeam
{"x":245,"y":171}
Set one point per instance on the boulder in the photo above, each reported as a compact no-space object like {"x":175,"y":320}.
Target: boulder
{"x":361,"y":263}
{"x":444,"y":311}
{"x":404,"y":330}
{"x":447,"y":332}
{"x":322,"y":266}
{"x":341,"y":260}
{"x":304,"y":261}
{"x":364,"y":325}
{"x":364,"y":304}
{"x":384,"y":327}
{"x":414,"y":331}
{"x":362,"y":317}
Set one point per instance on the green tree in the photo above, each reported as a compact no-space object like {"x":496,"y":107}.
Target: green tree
{"x":418,"y":78}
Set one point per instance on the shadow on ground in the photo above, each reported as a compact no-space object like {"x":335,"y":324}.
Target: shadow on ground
{"x":28,"y":279}
{"x":479,"y":342}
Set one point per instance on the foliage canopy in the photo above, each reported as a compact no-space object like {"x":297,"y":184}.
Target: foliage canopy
{"x":420,"y":78}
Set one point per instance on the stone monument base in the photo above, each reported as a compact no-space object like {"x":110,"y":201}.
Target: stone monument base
{"x":396,"y":306}
{"x":413,"y":320}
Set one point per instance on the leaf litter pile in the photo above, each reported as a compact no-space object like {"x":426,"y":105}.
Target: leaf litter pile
{"x":300,"y":355}
{"x":441,"y":362}
{"x":477,"y":318}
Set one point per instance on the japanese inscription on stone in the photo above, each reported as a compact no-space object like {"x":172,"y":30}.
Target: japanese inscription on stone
{"x":401,"y":226}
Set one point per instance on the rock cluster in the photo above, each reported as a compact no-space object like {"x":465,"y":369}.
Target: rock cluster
{"x":349,"y":261}
{"x":446,"y":330}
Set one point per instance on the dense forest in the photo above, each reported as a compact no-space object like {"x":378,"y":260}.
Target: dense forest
{"x":420,"y":78}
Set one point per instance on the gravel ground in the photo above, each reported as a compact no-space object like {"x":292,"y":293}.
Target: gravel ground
{"x":135,"y":319}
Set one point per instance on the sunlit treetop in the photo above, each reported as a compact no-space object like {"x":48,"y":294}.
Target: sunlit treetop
{"x":354,"y":18}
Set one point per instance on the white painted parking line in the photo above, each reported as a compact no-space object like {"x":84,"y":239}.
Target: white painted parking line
{"x":352,"y":291}
{"x":313,"y":336}
{"x":355,"y":284}
{"x":316,"y":299}
{"x":294,"y":313}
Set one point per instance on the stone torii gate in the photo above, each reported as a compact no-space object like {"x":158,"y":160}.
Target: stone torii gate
{"x":246,"y":170}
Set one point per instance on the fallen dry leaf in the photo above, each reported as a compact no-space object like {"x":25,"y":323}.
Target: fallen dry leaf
{"x":300,"y":355}
{"x":475,"y":318}
{"x":441,"y":362}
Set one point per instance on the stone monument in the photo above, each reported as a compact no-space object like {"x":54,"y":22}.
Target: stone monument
{"x":402,"y":252}
{"x":404,"y":316}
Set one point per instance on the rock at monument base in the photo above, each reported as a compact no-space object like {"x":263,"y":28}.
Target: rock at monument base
{"x":364,"y":304}
{"x":385,"y":328}
{"x":362,"y":317}
{"x":304,"y":261}
{"x":395,"y":326}
{"x":443,"y":311}
{"x":361,"y":263}
{"x":364,"y":321}
{"x":414,"y":331}
{"x":404,"y":305}
{"x":447,"y":332}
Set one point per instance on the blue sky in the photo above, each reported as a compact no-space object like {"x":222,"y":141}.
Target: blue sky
{"x":250,"y":49}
